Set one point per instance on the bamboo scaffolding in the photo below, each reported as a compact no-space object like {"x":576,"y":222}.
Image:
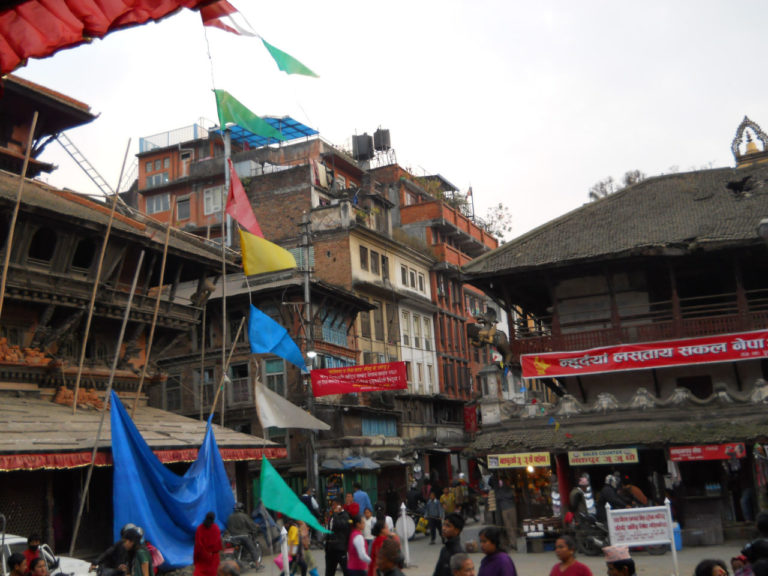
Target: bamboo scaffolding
{"x":226,"y":367}
{"x":96,"y":281}
{"x":107,"y":395}
{"x":16,"y":208}
{"x":157,"y":308}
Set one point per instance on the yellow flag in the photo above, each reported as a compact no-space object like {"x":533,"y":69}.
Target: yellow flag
{"x":260,"y":255}
{"x":557,"y":426}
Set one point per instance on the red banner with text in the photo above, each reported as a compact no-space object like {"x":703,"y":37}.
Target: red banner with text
{"x":365,"y":378}
{"x":721,"y":348}
{"x":707,"y":452}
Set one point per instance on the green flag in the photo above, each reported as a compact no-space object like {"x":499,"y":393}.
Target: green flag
{"x":286,"y":62}
{"x":232,"y":111}
{"x":277,"y":495}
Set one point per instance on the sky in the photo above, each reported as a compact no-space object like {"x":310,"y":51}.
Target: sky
{"x":529,"y":103}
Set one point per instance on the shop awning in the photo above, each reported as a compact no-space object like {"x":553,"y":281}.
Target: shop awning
{"x":38,"y":434}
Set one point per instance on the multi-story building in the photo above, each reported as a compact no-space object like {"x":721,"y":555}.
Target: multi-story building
{"x":644,"y":313}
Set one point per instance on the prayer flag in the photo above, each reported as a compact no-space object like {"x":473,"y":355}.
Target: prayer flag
{"x":277,"y":495}
{"x":231,"y":111}
{"x":238,"y":205}
{"x":260,"y":255}
{"x":275,"y":411}
{"x":226,"y":17}
{"x":286,"y":62}
{"x":268,"y":337}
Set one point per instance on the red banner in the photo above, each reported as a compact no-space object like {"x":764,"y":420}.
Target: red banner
{"x":470,"y":418}
{"x":365,"y":378}
{"x":707,"y":452}
{"x":722,"y":348}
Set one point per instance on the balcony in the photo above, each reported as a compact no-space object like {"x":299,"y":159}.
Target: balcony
{"x":694,"y":317}
{"x":472,"y":239}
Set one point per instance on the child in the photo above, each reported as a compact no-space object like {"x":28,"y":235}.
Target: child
{"x":370,"y":521}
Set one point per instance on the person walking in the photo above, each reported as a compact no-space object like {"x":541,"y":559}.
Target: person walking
{"x":337,"y":541}
{"x":207,"y":547}
{"x":361,"y":498}
{"x":462,"y":565}
{"x":496,"y":561}
{"x":434,"y":514}
{"x":390,"y":559}
{"x":565,"y":550}
{"x":452,"y":527}
{"x":357,"y":555}
{"x":618,"y":561}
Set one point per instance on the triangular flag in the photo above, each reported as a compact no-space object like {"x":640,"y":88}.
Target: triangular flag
{"x":275,"y":411}
{"x":557,"y":426}
{"x":286,"y":62}
{"x":231,"y":111}
{"x":238,"y":205}
{"x":551,"y":420}
{"x":260,"y":255}
{"x":226,"y":17}
{"x":277,"y":495}
{"x":268,"y":337}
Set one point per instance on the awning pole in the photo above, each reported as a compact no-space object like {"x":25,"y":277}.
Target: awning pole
{"x":107,"y":395}
{"x":226,"y":367}
{"x":96,"y":281}
{"x":16,"y":208}
{"x":148,"y":351}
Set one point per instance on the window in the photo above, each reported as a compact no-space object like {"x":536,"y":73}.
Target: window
{"x":158,"y":203}
{"x":84,"y":253}
{"x":335,"y":329}
{"x":212,"y":200}
{"x":375,"y":263}
{"x":384,"y":268}
{"x":157,"y":164}
{"x":408,"y":371}
{"x":378,"y":320}
{"x":421,"y":282}
{"x":240,"y":388}
{"x":406,"y":328}
{"x":379,"y":426}
{"x":429,"y":376}
{"x":365,"y":324}
{"x":204,"y":390}
{"x":416,"y":331}
{"x":363,"y":257}
{"x":172,"y":400}
{"x":427,"y":334}
{"x":166,"y":163}
{"x":156,"y":180}
{"x":148,"y":167}
{"x":42,"y":245}
{"x":440,"y":285}
{"x":412,"y":278}
{"x":393,"y":324}
{"x":420,"y":374}
{"x":275,"y":375}
{"x":341,"y":182}
{"x":182,"y":209}
{"x":404,"y":275}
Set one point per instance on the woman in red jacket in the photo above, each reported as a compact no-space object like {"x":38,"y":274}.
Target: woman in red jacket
{"x":207,"y":547}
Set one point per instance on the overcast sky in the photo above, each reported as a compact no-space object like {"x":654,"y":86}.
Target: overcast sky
{"x":530,"y":103}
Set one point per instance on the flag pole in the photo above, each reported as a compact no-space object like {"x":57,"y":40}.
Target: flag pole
{"x":107,"y":394}
{"x":225,"y":367}
{"x":148,"y":352}
{"x":96,"y":280}
{"x":306,"y":241}
{"x":16,"y":208}
{"x":224,"y":222}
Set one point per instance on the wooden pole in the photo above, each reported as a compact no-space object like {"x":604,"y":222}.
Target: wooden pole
{"x":96,"y":281}
{"x":202,"y":363}
{"x":226,"y":367}
{"x":107,"y":394}
{"x":224,"y":221}
{"x":16,"y":208}
{"x":157,"y":308}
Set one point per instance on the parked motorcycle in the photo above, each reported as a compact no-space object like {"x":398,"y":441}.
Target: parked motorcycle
{"x":235,"y":551}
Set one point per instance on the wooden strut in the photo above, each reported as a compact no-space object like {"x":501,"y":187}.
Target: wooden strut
{"x":157,"y":308}
{"x":16,"y":208}
{"x":107,"y":395}
{"x":96,"y":282}
{"x":225,"y":368}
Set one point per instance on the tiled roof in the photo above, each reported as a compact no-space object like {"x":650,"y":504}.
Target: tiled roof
{"x":700,"y":209}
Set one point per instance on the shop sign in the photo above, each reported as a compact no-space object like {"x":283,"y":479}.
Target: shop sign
{"x":710,"y":349}
{"x":707,"y":452}
{"x":640,"y":526}
{"x":590,"y":457}
{"x":518,"y":460}
{"x":364,"y":378}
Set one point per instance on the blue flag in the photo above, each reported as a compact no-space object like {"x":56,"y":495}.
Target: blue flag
{"x":268,"y":337}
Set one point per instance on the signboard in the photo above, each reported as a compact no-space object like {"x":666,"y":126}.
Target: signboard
{"x":721,"y":348}
{"x":707,"y":452}
{"x":365,"y":378}
{"x":589,"y":457}
{"x":521,"y":460}
{"x":640,"y":526}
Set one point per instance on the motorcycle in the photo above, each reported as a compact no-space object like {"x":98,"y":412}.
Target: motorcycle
{"x":234,"y":550}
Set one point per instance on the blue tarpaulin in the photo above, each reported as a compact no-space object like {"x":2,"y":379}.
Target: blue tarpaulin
{"x":168,"y":507}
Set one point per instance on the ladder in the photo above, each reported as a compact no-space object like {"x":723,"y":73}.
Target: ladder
{"x":82,"y":161}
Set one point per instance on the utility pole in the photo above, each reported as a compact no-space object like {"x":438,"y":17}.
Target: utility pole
{"x":309,"y":353}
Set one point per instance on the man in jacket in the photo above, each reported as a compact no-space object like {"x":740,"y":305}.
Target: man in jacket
{"x":242,"y":530}
{"x":452,"y":527}
{"x":337,"y":541}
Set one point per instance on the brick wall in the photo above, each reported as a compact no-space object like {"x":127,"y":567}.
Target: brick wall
{"x":279,"y":200}
{"x":333,"y":263}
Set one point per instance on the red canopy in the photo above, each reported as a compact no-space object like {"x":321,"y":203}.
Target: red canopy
{"x":38,"y":28}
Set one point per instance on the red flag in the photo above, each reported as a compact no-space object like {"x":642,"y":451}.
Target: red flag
{"x":238,"y":205}
{"x":224,"y":16}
